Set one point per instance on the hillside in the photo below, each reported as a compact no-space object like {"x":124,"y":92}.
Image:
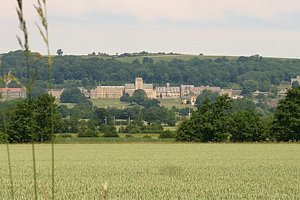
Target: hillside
{"x":247,"y":73}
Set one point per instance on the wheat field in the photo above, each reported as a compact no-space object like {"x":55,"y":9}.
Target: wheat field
{"x":155,"y":171}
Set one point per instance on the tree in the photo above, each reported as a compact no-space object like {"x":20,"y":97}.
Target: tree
{"x":295,"y":84}
{"x":31,"y":120}
{"x":73,"y":95}
{"x":136,"y":62}
{"x":147,"y":60}
{"x":206,"y":94}
{"x":86,"y":129}
{"x":246,"y":126}
{"x":59,"y":52}
{"x":242,"y":104}
{"x":249,"y":86}
{"x":100,"y":116}
{"x":138,"y":97}
{"x":209,"y":123}
{"x":125,"y":98}
{"x":286,"y":125}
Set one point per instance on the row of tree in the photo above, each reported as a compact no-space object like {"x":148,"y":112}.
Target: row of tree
{"x":216,"y":121}
{"x":222,"y":119}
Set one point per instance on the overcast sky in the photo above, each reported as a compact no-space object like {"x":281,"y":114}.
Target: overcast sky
{"x":212,"y":27}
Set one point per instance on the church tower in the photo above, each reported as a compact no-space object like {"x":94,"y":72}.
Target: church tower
{"x":139,"y":83}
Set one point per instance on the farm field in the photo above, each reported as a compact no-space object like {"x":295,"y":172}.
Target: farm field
{"x":156,"y":171}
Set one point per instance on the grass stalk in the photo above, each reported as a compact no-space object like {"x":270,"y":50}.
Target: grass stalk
{"x":30,"y":79}
{"x":8,"y":158}
{"x":41,"y":9}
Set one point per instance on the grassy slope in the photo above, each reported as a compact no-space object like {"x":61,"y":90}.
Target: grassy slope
{"x":104,"y":103}
{"x":156,"y":58}
{"x":156,"y":171}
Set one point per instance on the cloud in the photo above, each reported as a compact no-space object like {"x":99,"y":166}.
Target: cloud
{"x":267,"y":27}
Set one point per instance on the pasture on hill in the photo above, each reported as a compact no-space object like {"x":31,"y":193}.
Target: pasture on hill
{"x":156,"y":171}
{"x":105,"y":103}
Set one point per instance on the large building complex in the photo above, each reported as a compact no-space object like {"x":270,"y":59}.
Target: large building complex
{"x":183,"y":91}
{"x":118,"y":91}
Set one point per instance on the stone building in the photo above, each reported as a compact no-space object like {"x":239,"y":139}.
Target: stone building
{"x":56,"y":92}
{"x":107,"y":92}
{"x":168,"y":92}
{"x":182,"y":91}
{"x":13,"y":93}
{"x":297,"y":79}
{"x":112,"y":92}
{"x":185,"y":90}
{"x":139,"y":84}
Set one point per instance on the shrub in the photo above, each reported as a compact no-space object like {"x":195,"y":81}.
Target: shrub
{"x":110,"y":134}
{"x":87,"y":132}
{"x":147,"y":136}
{"x":128,"y":136}
{"x":66,"y":135}
{"x":2,"y":137}
{"x":167,"y":134}
{"x":108,"y":131}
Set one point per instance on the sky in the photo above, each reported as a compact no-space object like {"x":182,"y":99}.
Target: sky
{"x":269,"y":28}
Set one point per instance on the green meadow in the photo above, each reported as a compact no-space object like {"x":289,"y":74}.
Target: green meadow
{"x":155,"y":171}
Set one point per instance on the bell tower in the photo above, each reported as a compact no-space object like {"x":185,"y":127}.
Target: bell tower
{"x":138,"y":83}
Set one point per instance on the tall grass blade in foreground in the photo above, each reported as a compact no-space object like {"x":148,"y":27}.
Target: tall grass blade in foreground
{"x":41,"y":9}
{"x":8,"y":157}
{"x":30,"y":79}
{"x":6,"y":79}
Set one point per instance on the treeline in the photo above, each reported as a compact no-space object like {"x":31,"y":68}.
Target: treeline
{"x":217,"y":122}
{"x":214,"y":121}
{"x":248,"y":73}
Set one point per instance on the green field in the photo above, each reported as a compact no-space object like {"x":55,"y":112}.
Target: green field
{"x":174,"y":102}
{"x":170,"y":57}
{"x":105,"y":103}
{"x":156,"y":171}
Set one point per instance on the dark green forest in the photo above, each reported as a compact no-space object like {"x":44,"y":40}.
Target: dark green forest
{"x":247,"y":73}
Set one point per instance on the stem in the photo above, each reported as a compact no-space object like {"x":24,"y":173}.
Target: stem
{"x":34,"y":171}
{"x":8,"y":158}
{"x":51,"y":106}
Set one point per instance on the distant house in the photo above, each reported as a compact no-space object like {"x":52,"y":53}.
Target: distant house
{"x":13,"y":93}
{"x":282,"y":94}
{"x":297,"y":79}
{"x":168,"y":92}
{"x":56,"y":92}
{"x":189,"y":99}
{"x":84,"y":91}
{"x":258,"y":93}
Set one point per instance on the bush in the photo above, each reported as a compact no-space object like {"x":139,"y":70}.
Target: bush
{"x":108,"y":131}
{"x":167,"y":134}
{"x":2,"y":137}
{"x":147,"y":136}
{"x":66,"y":135}
{"x":110,"y":134}
{"x":132,"y":129}
{"x":88,"y":132}
{"x":128,"y":136}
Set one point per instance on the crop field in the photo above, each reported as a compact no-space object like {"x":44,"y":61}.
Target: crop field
{"x":156,"y":171}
